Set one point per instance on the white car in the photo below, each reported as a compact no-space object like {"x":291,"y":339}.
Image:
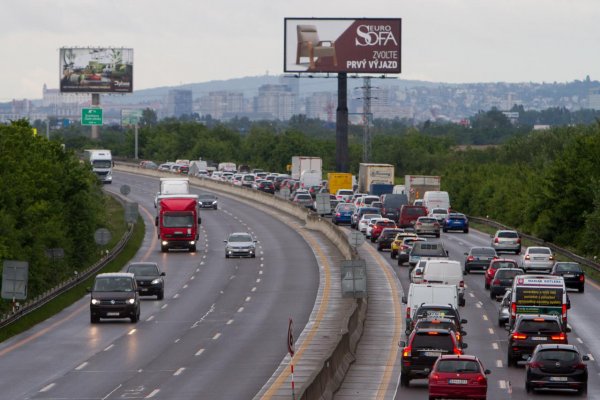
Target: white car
{"x":372,"y":223}
{"x":344,"y":195}
{"x":363,"y":223}
{"x":537,"y":258}
{"x":439,"y":213}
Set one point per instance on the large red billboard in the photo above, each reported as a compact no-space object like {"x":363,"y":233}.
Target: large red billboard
{"x":96,"y":70}
{"x":361,"y":45}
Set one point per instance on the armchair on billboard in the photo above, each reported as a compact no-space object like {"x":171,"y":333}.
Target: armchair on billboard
{"x":363,"y":45}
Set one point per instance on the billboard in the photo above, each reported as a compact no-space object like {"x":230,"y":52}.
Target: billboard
{"x":361,"y":45}
{"x":96,"y":70}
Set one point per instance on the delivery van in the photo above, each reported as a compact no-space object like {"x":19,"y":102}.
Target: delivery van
{"x":428,"y":294}
{"x":446,"y":272}
{"x":539,"y":294}
{"x":436,"y":199}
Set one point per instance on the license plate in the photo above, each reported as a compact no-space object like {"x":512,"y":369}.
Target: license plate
{"x":569,"y":276}
{"x":457,"y":381}
{"x":144,"y":289}
{"x":112,"y":314}
{"x":538,"y":338}
{"x":558,"y":378}
{"x":432,"y":354}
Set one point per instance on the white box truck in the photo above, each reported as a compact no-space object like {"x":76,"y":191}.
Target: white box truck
{"x":304,"y":163}
{"x":374,"y":173}
{"x":416,"y":185}
{"x":170,"y":186}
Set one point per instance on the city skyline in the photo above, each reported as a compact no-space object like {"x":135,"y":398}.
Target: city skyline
{"x":182,"y":42}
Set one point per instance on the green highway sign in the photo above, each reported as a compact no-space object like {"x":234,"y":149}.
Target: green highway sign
{"x":91,"y":116}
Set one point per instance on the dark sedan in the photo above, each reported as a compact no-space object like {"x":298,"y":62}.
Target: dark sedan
{"x":479,"y":258}
{"x":503,"y":280}
{"x":557,"y":366}
{"x":572,"y":273}
{"x":266,"y":186}
{"x":387,"y":236}
{"x":149,"y":278}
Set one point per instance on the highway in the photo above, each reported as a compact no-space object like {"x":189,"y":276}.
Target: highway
{"x":218,"y":334}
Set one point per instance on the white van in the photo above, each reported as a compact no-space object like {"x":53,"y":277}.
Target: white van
{"x":539,"y":294}
{"x":428,"y":294}
{"x":446,"y":272}
{"x":436,"y":199}
{"x":399,"y":189}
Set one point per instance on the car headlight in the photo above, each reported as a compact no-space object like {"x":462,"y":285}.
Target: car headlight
{"x":164,"y":243}
{"x":95,"y":301}
{"x":214,"y":202}
{"x":156,"y":281}
{"x":131,"y":301}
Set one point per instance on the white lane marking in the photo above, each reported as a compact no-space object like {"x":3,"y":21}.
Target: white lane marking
{"x":253,"y":289}
{"x":176,"y":295}
{"x":217,"y":335}
{"x":179,"y":371}
{"x":177,"y":340}
{"x":471,"y":294}
{"x":185,"y":286}
{"x":47,"y":387}
{"x":204,"y":256}
{"x":240,"y":309}
{"x":111,"y":392}
{"x":260,"y":272}
{"x":491,"y":331}
{"x":502,"y":384}
{"x":201,"y":263}
{"x":197,"y":269}
{"x":230,"y":322}
{"x":495,"y":346}
{"x":192,"y":277}
{"x":248,"y":299}
{"x":199,"y":352}
{"x":477,"y":305}
{"x":499,"y":363}
{"x":164,"y":306}
{"x":109,"y":347}
{"x":153,"y":393}
{"x":262,"y":252}
{"x":150,"y":318}
{"x":262,"y":265}
{"x":591,"y":356}
{"x":485,"y":318}
{"x":81,"y":366}
{"x":258,"y":280}
{"x":131,"y":332}
{"x":579,"y":340}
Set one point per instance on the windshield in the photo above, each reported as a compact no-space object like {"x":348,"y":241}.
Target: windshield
{"x":143,"y":269}
{"x":558,"y":355}
{"x":371,"y":216}
{"x":102,"y":163}
{"x":457,"y":366}
{"x":568,"y":267}
{"x":483,"y":251}
{"x":428,"y":249}
{"x":423,"y":340}
{"x":539,"y":326}
{"x":240,"y":238}
{"x":439,"y":211}
{"x":113,"y":284}
{"x":207,"y":197}
{"x":508,"y":274}
{"x":178,"y":220}
{"x":345,"y":192}
{"x":508,"y":234}
{"x":395,"y":201}
{"x":539,"y":250}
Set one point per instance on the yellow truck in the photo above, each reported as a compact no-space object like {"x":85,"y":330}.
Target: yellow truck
{"x":339,"y":180}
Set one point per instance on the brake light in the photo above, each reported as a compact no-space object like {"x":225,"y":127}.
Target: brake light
{"x":481,"y":379}
{"x":407,"y":312}
{"x":432,"y":333}
{"x":519,"y":240}
{"x":496,"y":282}
{"x":470,"y":258}
{"x":564,"y":312}
{"x":581,"y":366}
{"x":581,"y":278}
{"x":496,"y":240}
{"x":535,"y":364}
{"x":338,"y":215}
{"x":561,"y":337}
{"x":519,"y":336}
{"x":406,"y":352}
{"x":513,"y":309}
{"x":457,"y":351}
{"x":461,"y":284}
{"x":527,"y":257}
{"x":539,"y":319}
{"x":434,"y":377}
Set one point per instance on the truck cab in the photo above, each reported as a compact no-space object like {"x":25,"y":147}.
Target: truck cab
{"x":178,"y":221}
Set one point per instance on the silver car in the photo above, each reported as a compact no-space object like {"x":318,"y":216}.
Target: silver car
{"x":504,"y":310}
{"x":507,"y":240}
{"x":537,"y":259}
{"x":240,"y":244}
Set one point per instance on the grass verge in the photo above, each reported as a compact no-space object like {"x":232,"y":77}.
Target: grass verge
{"x":68,"y":298}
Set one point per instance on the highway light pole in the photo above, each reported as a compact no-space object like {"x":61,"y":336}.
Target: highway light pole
{"x":341,"y":125}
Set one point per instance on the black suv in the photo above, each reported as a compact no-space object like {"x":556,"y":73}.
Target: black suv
{"x":423,"y":348}
{"x":149,"y":279}
{"x":556,"y":366}
{"x":114,"y":295}
{"x":441,"y":323}
{"x":436,"y":311}
{"x":531,"y":330}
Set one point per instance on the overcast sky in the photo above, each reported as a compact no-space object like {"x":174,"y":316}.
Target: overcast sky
{"x":178,"y":41}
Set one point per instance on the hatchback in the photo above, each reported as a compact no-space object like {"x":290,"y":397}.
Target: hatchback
{"x":496,"y":265}
{"x":507,"y":240}
{"x":379,"y":227}
{"x":387,"y":236}
{"x":240,"y":244}
{"x":363,"y":223}
{"x":479,"y":258}
{"x":572,"y":273}
{"x":343,"y":213}
{"x":406,"y":246}
{"x":537,"y":259}
{"x":303,"y":199}
{"x":503,"y":279}
{"x":556,"y":366}
{"x":456,"y":222}
{"x":532,"y":330}
{"x":455,"y":376}
{"x":427,"y":226}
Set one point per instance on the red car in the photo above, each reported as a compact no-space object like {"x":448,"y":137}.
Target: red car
{"x":494,"y":266}
{"x":458,"y":377}
{"x":380,"y":226}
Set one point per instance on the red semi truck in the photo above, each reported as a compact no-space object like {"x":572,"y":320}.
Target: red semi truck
{"x":178,"y":220}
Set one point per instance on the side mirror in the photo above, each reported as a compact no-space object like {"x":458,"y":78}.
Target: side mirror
{"x":163,"y":274}
{"x":402,"y":344}
{"x":507,"y":328}
{"x":487,"y":372}
{"x":464,"y":345}
{"x":568,"y":329}
{"x":463,"y":333}
{"x":156,"y":221}
{"x":585,"y":358}
{"x":447,"y":253}
{"x":466,"y":254}
{"x":199,"y":220}
{"x":463,"y":321}
{"x":224,"y":241}
{"x":403,"y":299}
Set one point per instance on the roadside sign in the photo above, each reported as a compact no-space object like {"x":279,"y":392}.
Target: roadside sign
{"x":290,"y":341}
{"x":125,"y":190}
{"x":14,"y":279}
{"x":91,"y":116}
{"x":323,"y":203}
{"x":356,"y":238}
{"x":102,"y":236}
{"x":131,"y":212}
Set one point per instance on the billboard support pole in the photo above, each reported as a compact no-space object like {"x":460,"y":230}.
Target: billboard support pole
{"x":95,"y":103}
{"x":136,"y":141}
{"x":341,"y":125}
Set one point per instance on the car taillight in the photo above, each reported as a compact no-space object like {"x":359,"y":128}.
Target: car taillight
{"x":481,"y":379}
{"x":406,"y":352}
{"x":581,"y":366}
{"x":436,"y":225}
{"x":419,"y":272}
{"x":407,"y":312}
{"x":561,"y":337}
{"x":461,"y":284}
{"x":527,"y":257}
{"x":496,"y":282}
{"x":535,"y":364}
{"x":519,"y":240}
{"x":457,"y":351}
{"x":581,"y":278}
{"x":496,"y":240}
{"x":470,"y":258}
{"x":432,"y":333}
{"x":519,"y":336}
{"x":338,"y":214}
{"x":513,"y":309}
{"x":434,"y":377}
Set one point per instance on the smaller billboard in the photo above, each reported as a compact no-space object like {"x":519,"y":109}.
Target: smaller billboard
{"x":96,"y":70}
{"x":131,"y":117}
{"x":362,"y":45}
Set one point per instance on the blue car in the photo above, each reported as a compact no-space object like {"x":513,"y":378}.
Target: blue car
{"x":343,"y":213}
{"x":456,"y":222}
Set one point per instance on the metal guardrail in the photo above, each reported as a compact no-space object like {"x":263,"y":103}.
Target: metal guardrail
{"x":556,"y":249}
{"x":51,"y":294}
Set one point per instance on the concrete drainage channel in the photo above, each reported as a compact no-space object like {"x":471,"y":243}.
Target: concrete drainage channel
{"x":333,"y":363}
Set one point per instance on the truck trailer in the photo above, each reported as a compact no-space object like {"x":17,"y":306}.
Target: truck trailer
{"x":369,"y":174}
{"x":304,"y":163}
{"x":416,"y":185}
{"x":178,"y":220}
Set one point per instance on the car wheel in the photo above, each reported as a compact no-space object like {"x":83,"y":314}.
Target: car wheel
{"x":501,"y":323}
{"x":466,"y":271}
{"x":581,"y":289}
{"x":135,"y":318}
{"x":517,"y":252}
{"x":215,"y":207}
{"x":583,"y":390}
{"x":437,"y":235}
{"x":393,"y":255}
{"x":466,"y":230}
{"x":164,"y":249}
{"x":492,"y":295}
{"x":226,"y":255}
{"x":253,"y":256}
{"x":193,"y":249}
{"x":372,"y":239}
{"x":400,"y":263}
{"x":445,"y":230}
{"x":486,"y":285}
{"x":160,"y":295}
{"x":94,"y":319}
{"x":404,"y":380}
{"x":462,"y":302}
{"x":510,"y":361}
{"x":527,"y":387}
